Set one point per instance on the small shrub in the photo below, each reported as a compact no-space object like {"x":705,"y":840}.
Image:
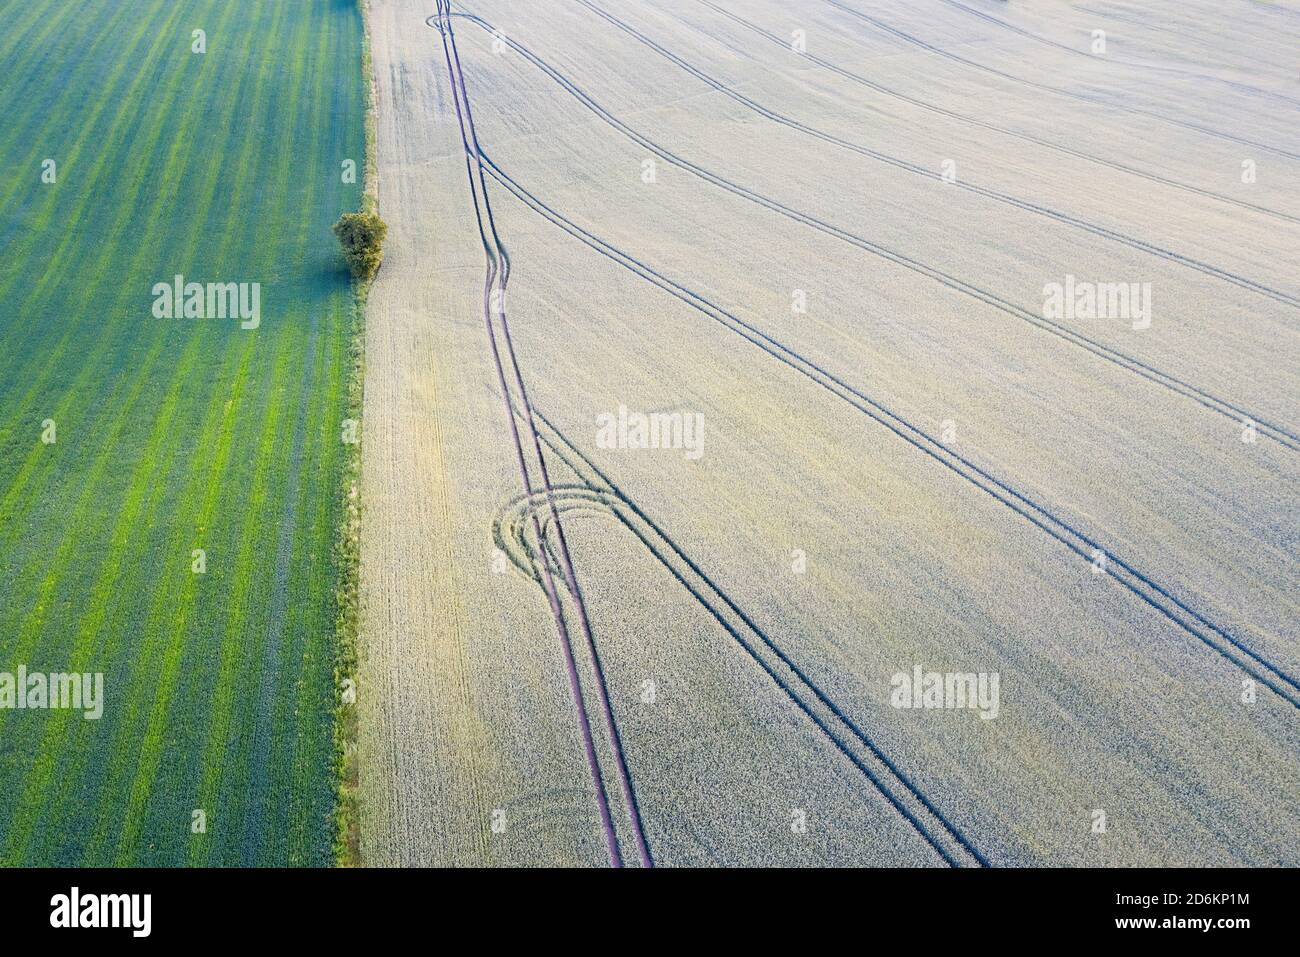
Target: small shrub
{"x":362,"y":237}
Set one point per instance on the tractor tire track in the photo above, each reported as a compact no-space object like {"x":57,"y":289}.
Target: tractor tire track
{"x":575,"y":685}
{"x":1130,"y":241}
{"x":260,"y":760}
{"x":611,"y":725}
{"x":493,"y":302}
{"x":1081,"y":97}
{"x":1280,"y":434}
{"x":1133,"y":64}
{"x":993,"y":127}
{"x":1142,"y":586}
{"x":600,"y":494}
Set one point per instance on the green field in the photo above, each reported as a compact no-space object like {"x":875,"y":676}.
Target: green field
{"x":173,"y":435}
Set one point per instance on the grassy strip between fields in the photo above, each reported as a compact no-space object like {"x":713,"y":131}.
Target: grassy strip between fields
{"x":347,"y":845}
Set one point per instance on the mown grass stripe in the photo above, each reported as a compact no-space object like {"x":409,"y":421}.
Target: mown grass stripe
{"x":116,"y":621}
{"x":306,"y":711}
{"x":210,"y":184}
{"x":6,"y":508}
{"x":239,"y":795}
{"x":235,"y":646}
{"x":145,"y":673}
{"x":17,"y":35}
{"x":93,"y":280}
{"x":173,"y":651}
{"x":104,"y":176}
{"x":48,"y":216}
{"x":302,"y":746}
{"x":188,"y":240}
{"x":106,"y":95}
{"x":90,"y":629}
{"x":54,"y":266}
{"x":163,"y":674}
{"x":47,"y":457}
{"x":176,"y":575}
{"x":241,"y":656}
{"x":71,"y":542}
{"x":239,"y":639}
{"x":39,"y":53}
{"x":263,"y":712}
{"x":193,"y":450}
{"x":310,"y":747}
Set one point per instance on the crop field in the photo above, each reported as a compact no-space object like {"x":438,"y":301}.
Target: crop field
{"x":832,"y":432}
{"x":172,"y":480}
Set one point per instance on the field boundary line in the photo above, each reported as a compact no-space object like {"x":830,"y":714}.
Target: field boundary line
{"x":347,"y":543}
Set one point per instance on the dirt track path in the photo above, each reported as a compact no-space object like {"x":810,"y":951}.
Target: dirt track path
{"x":414,"y":683}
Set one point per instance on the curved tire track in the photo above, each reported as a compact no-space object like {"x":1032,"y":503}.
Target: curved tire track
{"x":1133,"y":580}
{"x":494,"y":303}
{"x":490,"y":285}
{"x":948,"y":841}
{"x":1136,"y":366}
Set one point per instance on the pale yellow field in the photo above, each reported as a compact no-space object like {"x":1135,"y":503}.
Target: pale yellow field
{"x":907,"y":460}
